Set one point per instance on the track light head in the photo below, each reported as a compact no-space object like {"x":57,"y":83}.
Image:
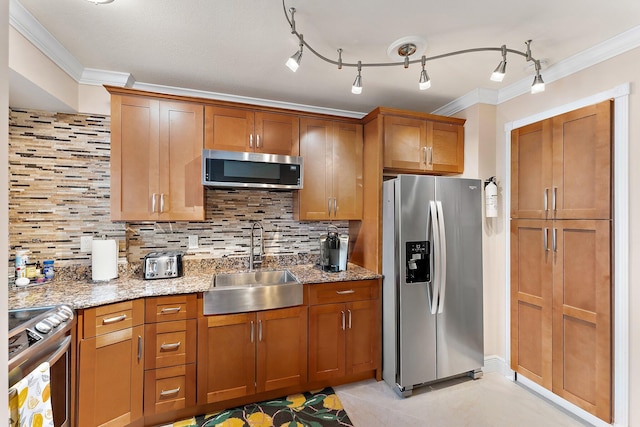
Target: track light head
{"x":294,"y":61}
{"x":538,"y":83}
{"x":425,"y":81}
{"x":501,"y":69}
{"x":357,"y":83}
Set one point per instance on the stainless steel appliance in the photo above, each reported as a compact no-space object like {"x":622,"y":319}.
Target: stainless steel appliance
{"x":333,"y":250}
{"x":162,"y":265}
{"x":251,"y":170}
{"x":432,"y":288}
{"x":44,"y":334}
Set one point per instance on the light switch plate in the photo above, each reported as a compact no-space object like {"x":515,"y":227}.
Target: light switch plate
{"x":86,"y":243}
{"x":193,"y":242}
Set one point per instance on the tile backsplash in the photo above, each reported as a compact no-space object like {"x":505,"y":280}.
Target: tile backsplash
{"x":59,"y":181}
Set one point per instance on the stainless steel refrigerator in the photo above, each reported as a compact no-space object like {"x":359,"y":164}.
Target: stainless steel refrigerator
{"x":432,"y":287}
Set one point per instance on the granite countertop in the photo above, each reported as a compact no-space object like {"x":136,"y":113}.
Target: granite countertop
{"x":86,"y":293}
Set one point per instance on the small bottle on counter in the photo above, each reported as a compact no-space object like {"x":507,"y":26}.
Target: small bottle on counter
{"x":22,"y":258}
{"x":48,"y":269}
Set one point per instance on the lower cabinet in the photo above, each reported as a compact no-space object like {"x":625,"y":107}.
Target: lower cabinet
{"x":248,"y":353}
{"x":345,"y":335}
{"x":110,"y":364}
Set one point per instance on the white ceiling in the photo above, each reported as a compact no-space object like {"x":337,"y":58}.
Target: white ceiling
{"x":239,"y":47}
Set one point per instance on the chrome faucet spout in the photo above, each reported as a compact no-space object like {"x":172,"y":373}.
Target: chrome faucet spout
{"x":256,"y":259}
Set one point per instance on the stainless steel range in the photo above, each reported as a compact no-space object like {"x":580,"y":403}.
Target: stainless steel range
{"x":40,"y":335}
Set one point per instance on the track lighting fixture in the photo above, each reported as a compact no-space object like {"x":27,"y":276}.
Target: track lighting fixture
{"x":425,"y":81}
{"x":405,"y":51}
{"x":101,"y":1}
{"x":501,"y":69}
{"x":357,"y":83}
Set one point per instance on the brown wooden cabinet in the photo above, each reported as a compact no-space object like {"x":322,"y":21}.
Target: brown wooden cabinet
{"x":248,"y":353}
{"x":332,"y":171}
{"x":561,"y":167}
{"x":170,"y":353}
{"x":236,"y":129}
{"x":344,"y":329}
{"x":156,"y":155}
{"x":418,"y":145}
{"x":561,"y":252}
{"x":110,"y":363}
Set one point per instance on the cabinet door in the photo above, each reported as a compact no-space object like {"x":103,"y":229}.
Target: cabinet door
{"x":314,"y":200}
{"x":531,"y":171}
{"x":582,"y":146}
{"x":445,"y":147}
{"x":134,"y":156}
{"x":531,"y":299}
{"x":277,"y":134}
{"x":582,"y":340}
{"x":281,"y":348}
{"x":226,"y":357}
{"x":327,"y":324}
{"x":110,"y":378}
{"x":181,"y":133}
{"x":362,"y":336}
{"x":405,"y":141}
{"x":346,"y":162}
{"x":228,"y":129}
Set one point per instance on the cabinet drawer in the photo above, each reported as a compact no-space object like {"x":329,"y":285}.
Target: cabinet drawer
{"x":170,"y":343}
{"x":328,"y":293}
{"x":169,"y":389}
{"x":113,"y":317}
{"x":168,"y":308}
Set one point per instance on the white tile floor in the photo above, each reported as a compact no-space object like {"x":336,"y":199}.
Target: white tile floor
{"x":493,"y":401}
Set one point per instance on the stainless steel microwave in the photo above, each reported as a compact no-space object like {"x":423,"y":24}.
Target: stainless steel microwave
{"x":251,"y":170}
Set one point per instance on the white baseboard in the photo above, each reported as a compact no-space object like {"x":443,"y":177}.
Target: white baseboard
{"x":495,"y":363}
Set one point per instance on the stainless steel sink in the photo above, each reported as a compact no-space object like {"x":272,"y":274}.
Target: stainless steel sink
{"x":252,"y":291}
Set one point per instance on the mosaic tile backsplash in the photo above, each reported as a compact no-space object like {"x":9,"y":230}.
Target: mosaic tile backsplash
{"x":59,"y":181}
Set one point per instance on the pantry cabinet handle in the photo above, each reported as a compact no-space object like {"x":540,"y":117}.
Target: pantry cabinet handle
{"x":260,"y":330}
{"x":430,"y":155}
{"x":546,"y":200}
{"x":257,"y":141}
{"x":329,"y":206}
{"x":251,"y":141}
{"x":554,"y":240}
{"x":169,"y":392}
{"x":350,"y":291}
{"x":335,"y":206}
{"x":424,"y":154}
{"x":349,"y":311}
{"x":342,"y":312}
{"x":114,"y":319}
{"x":546,"y":239}
{"x":139,"y":347}
{"x":252,"y":328}
{"x":171,"y":346}
{"x":153,"y":202}
{"x":161,"y":202}
{"x":553,"y":199}
{"x":170,"y":310}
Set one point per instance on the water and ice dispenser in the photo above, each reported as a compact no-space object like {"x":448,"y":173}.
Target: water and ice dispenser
{"x":417,"y":256}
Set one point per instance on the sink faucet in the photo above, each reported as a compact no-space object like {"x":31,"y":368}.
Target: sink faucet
{"x":257,"y":258}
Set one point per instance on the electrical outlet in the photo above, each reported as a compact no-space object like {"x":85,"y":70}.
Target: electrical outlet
{"x":193,"y":242}
{"x":86,"y":243}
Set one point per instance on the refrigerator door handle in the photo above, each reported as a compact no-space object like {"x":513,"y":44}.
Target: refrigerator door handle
{"x":443,"y":257}
{"x":435,"y":280}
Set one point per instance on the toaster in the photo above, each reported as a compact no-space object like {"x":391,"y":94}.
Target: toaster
{"x":162,"y":265}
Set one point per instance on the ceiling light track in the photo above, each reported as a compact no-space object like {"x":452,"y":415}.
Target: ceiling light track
{"x":406,"y":50}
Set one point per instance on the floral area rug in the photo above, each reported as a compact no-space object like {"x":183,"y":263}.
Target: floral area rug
{"x":310,"y":409}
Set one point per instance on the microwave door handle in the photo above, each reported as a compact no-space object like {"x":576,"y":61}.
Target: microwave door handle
{"x":443,"y":256}
{"x":435,"y":279}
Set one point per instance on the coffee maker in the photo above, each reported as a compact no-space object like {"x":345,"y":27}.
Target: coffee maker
{"x":333,"y":250}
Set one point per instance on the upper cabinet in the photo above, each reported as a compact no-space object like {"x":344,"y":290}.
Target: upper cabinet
{"x":561,"y":167}
{"x":332,"y":153}
{"x":414,"y":144}
{"x":156,"y":159}
{"x":234,"y":129}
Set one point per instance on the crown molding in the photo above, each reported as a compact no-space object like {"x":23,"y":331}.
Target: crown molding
{"x":32,"y":30}
{"x":246,"y":100}
{"x":91,"y":76}
{"x":601,"y":52}
{"x":476,"y":96}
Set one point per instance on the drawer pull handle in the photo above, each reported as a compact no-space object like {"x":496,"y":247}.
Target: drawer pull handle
{"x":164,"y":393}
{"x":350,"y":291}
{"x":171,"y":346}
{"x":114,"y":319}
{"x":170,"y":310}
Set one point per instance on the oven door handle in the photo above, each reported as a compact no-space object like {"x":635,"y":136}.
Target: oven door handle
{"x":62,"y":349}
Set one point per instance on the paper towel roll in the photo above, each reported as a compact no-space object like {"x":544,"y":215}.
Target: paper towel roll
{"x":104,"y":260}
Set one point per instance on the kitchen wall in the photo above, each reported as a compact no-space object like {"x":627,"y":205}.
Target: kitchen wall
{"x":59,"y":191}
